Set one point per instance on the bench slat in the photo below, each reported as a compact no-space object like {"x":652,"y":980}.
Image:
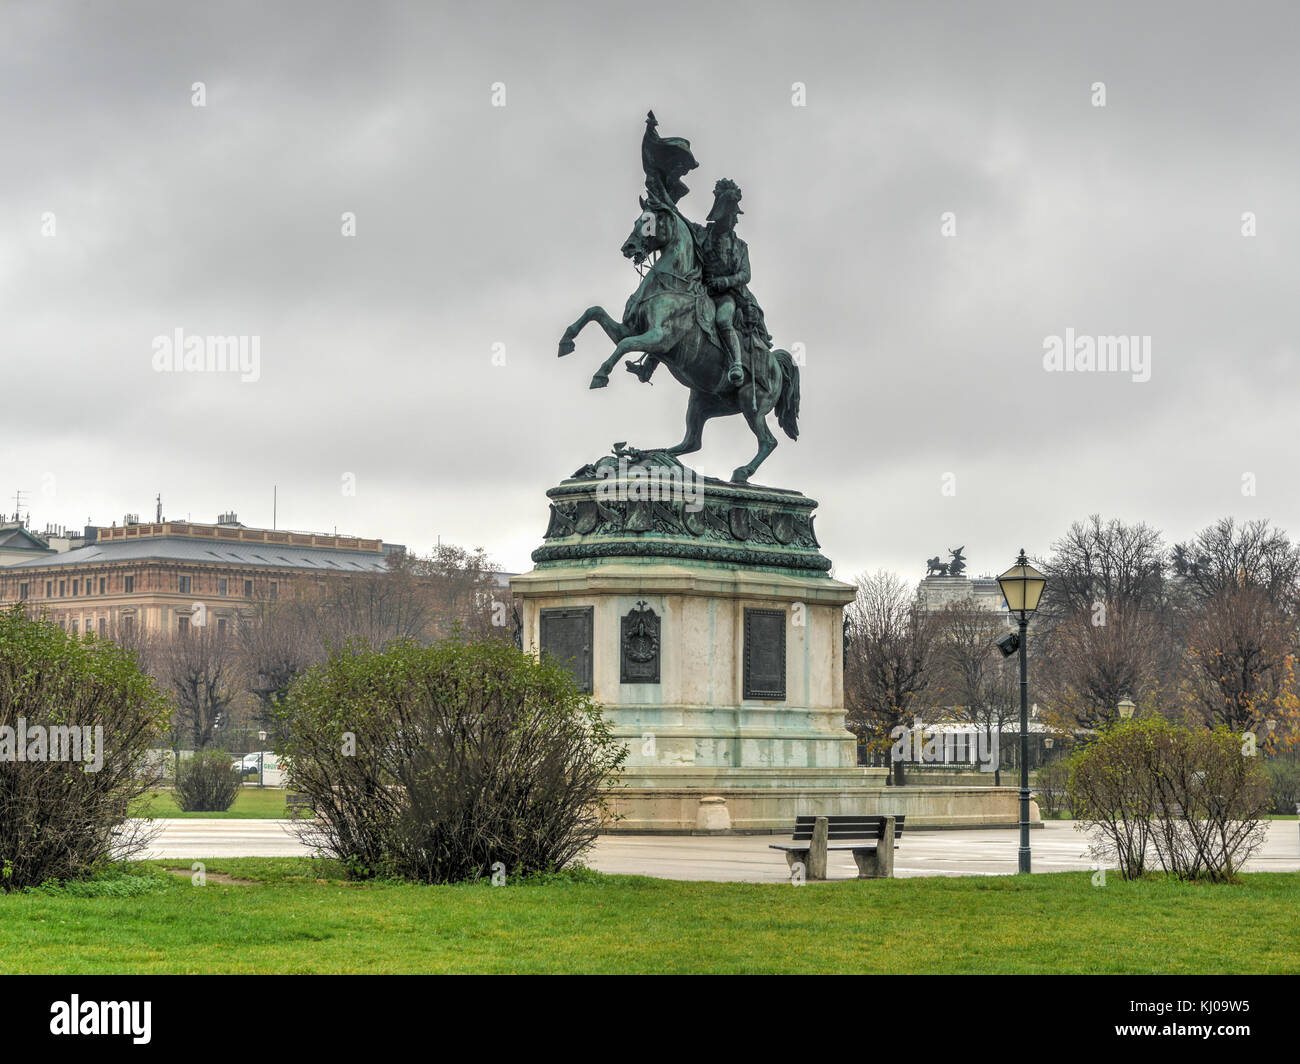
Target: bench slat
{"x":845,"y":827}
{"x":804,"y":849}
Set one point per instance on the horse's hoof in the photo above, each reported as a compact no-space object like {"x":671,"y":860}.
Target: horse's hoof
{"x":740,"y":476}
{"x":599,"y":380}
{"x":566,"y":348}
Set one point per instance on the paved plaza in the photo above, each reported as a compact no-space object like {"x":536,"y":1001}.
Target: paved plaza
{"x":1057,"y":847}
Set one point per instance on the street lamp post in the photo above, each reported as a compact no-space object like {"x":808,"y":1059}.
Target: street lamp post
{"x":1022,"y":586}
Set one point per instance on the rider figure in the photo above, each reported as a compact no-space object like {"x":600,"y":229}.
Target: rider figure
{"x":726,"y":268}
{"x":726,"y":273}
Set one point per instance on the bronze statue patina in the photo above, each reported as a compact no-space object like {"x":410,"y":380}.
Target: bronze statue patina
{"x":956,"y":566}
{"x":726,"y":277}
{"x":693,"y":310}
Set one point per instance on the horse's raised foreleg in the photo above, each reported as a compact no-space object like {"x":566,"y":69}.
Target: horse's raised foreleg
{"x":766,"y":445}
{"x":653,"y":341}
{"x":615,"y":330}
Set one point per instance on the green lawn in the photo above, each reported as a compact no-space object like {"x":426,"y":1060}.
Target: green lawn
{"x":252,"y":803}
{"x":298,"y":915}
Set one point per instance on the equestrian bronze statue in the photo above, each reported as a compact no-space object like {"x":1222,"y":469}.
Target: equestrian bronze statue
{"x":693,"y":310}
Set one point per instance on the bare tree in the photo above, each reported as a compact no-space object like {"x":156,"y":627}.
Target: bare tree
{"x":465,"y":595}
{"x":888,"y":654}
{"x":1241,"y":636}
{"x":277,"y":646}
{"x":419,"y":598}
{"x":137,"y":640}
{"x":1105,"y":563}
{"x":1226,"y":555}
{"x":1094,"y":658}
{"x":1108,"y":629}
{"x":971,"y":674}
{"x":199,"y":668}
{"x":1240,"y":664}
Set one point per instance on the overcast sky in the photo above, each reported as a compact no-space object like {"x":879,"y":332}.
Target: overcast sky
{"x":479,"y":225}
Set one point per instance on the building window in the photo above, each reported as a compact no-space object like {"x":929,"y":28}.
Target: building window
{"x":74,"y":626}
{"x":248,"y":589}
{"x":75,"y":585}
{"x":103,"y":586}
{"x":103,"y":627}
{"x":24,"y":590}
{"x":129,"y":582}
{"x":128,"y":625}
{"x":274,"y":588}
{"x":221,"y":586}
{"x":185,"y":585}
{"x":63,"y":587}
{"x":183,"y":625}
{"x":49,"y":588}
{"x":221,"y":626}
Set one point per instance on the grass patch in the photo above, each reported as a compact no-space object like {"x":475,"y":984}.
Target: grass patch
{"x":251,"y":803}
{"x":300,"y":915}
{"x":118,"y":881}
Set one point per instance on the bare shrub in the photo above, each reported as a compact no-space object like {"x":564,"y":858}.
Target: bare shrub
{"x":1189,"y":796}
{"x":435,"y":763}
{"x":1052,"y":787}
{"x":206,"y":782}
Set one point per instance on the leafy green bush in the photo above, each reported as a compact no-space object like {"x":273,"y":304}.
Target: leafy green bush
{"x":437,"y":763}
{"x":84,"y":716}
{"x":1284,"y":779}
{"x":1187,"y":795}
{"x":205,"y":783}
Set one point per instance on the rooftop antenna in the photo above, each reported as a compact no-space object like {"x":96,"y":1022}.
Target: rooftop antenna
{"x":159,"y":512}
{"x":18,"y":503}
{"x":275,"y":505}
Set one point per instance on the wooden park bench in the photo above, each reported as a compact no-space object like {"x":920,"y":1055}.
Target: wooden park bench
{"x":298,"y":803}
{"x":871,"y":839}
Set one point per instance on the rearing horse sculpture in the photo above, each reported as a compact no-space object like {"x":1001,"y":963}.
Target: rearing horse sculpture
{"x":670,"y":316}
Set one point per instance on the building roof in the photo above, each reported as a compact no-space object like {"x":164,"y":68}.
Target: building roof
{"x":16,"y":537}
{"x":184,"y":549}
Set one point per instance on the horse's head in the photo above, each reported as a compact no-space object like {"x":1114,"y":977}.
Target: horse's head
{"x":650,"y":232}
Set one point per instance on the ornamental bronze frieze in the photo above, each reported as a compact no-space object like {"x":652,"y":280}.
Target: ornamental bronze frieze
{"x":655,"y":507}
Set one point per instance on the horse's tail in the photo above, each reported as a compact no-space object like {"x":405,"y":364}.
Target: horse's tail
{"x":787,"y":406}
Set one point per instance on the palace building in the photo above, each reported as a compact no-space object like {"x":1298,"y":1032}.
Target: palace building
{"x":157,"y":577}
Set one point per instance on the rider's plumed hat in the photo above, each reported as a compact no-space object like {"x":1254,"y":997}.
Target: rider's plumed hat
{"x":726,"y":200}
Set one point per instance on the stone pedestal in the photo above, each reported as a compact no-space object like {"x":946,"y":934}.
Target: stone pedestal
{"x":700,"y":614}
